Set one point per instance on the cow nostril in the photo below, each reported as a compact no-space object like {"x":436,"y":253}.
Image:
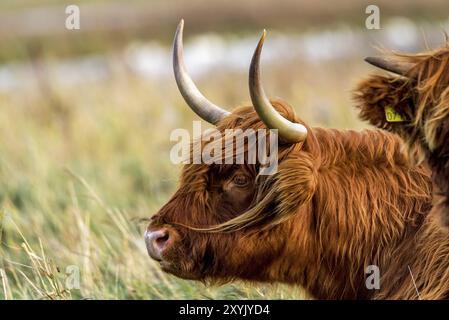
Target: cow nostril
{"x":162,"y":239}
{"x":157,"y":241}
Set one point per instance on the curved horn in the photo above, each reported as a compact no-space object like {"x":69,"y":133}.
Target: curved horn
{"x":288,"y":131}
{"x":192,"y":96}
{"x":400,"y":68}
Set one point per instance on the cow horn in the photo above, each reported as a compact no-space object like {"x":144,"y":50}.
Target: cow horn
{"x":192,"y":96}
{"x":400,"y":68}
{"x":288,"y":131}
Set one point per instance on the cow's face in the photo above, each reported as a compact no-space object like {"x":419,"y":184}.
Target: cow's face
{"x":223,"y":222}
{"x":208,"y":196}
{"x":179,"y":235}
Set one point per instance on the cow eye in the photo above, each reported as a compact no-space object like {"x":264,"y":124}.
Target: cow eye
{"x":240,"y":180}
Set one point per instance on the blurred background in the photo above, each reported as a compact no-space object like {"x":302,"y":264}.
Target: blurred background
{"x":85,"y":119}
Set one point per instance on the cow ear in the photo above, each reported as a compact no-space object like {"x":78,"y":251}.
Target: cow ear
{"x":386,"y":102}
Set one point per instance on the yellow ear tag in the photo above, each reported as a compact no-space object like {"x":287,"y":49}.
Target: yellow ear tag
{"x":392,"y":116}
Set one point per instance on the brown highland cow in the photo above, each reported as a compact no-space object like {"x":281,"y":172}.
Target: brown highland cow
{"x":339,"y":202}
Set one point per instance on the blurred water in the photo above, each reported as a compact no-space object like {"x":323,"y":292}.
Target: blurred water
{"x":209,"y":53}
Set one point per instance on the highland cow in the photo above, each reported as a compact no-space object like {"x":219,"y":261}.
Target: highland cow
{"x":419,"y":95}
{"x":339,"y":202}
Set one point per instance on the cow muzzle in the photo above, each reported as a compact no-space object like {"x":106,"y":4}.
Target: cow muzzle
{"x":158,"y":241}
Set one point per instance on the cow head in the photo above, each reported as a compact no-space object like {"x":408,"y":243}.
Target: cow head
{"x":417,"y":99}
{"x":224,"y":221}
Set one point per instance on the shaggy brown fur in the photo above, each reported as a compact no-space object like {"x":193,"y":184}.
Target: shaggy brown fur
{"x":339,"y":202}
{"x":423,"y":100}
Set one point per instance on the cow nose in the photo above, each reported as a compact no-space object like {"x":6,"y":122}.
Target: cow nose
{"x":157,"y":241}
